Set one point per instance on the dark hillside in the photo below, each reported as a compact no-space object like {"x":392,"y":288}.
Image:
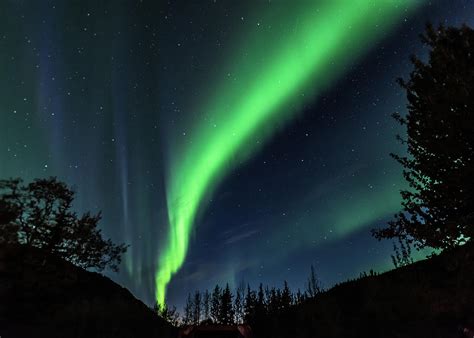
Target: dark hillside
{"x":43,"y":296}
{"x":430,"y":298}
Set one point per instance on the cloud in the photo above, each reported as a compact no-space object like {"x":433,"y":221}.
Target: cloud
{"x":240,"y":236}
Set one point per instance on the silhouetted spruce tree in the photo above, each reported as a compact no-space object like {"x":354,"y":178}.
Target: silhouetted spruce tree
{"x":300,"y":297}
{"x":216,"y":304}
{"x":249,"y":305}
{"x":313,"y":286}
{"x":261,"y":304}
{"x":273,"y":302}
{"x":188,"y":311}
{"x":238,"y":306}
{"x":279,"y":306}
{"x":206,"y":306}
{"x":43,"y":218}
{"x":197,"y":308}
{"x":286,"y":297}
{"x":226,"y":313}
{"x":268,"y":295}
{"x":438,"y":207}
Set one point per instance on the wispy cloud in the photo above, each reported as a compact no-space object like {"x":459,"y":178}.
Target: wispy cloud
{"x":240,"y":236}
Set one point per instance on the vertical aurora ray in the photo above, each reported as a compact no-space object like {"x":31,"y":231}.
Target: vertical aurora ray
{"x":268,"y":89}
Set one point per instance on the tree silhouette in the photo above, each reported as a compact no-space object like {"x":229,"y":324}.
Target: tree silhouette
{"x":313,"y":286}
{"x":8,"y":227}
{"x":206,"y":305}
{"x":197,"y":305}
{"x":261,"y":304}
{"x":249,"y":305}
{"x":188,"y":310}
{"x":286,"y":296}
{"x":216,"y":304}
{"x":438,"y":207}
{"x":273,"y":301}
{"x":299,"y":297}
{"x":226,"y":313}
{"x":170,"y":314}
{"x":39,"y":215}
{"x":401,"y":254}
{"x":238,"y":306}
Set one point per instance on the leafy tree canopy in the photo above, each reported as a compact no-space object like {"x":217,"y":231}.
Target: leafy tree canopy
{"x":438,"y":206}
{"x":39,"y":214}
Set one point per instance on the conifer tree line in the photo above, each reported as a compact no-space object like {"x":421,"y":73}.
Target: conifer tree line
{"x":243,"y":305}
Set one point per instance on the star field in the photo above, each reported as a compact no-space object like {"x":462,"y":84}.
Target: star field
{"x":131,"y":103}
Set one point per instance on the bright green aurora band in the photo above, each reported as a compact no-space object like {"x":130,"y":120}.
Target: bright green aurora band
{"x":268,"y":89}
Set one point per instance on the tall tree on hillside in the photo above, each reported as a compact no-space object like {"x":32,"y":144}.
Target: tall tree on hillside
{"x":41,"y":215}
{"x":197,"y":304}
{"x":206,"y":305}
{"x":216,"y":304}
{"x":188,"y":310}
{"x":249,"y":305}
{"x":286,"y":296}
{"x":261,"y":304}
{"x":438,"y":207}
{"x":239,"y":306}
{"x":226,"y":313}
{"x":313,"y":286}
{"x":274,"y":302}
{"x":300,"y":296}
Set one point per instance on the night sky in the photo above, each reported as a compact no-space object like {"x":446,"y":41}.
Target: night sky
{"x":224,"y":141}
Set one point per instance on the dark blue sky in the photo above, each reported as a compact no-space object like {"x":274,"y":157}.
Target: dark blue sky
{"x":92,"y":92}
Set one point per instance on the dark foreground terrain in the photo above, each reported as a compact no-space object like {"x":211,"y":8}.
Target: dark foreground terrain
{"x":430,"y":298}
{"x":43,"y":296}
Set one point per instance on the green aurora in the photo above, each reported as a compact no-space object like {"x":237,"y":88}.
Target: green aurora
{"x":273,"y":73}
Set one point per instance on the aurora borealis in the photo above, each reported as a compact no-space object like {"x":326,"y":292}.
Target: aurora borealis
{"x":311,"y":56}
{"x":225,"y":141}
